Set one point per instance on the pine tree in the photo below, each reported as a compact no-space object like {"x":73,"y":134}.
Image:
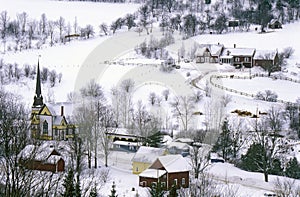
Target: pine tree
{"x":157,"y":190}
{"x":113,"y":191}
{"x":276,"y":168}
{"x":93,"y":192}
{"x":224,"y":142}
{"x":293,"y":169}
{"x":68,"y":184}
{"x":250,"y":161}
{"x":173,"y":191}
{"x":154,"y":140}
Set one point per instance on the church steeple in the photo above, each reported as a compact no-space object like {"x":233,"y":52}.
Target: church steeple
{"x":38,"y":98}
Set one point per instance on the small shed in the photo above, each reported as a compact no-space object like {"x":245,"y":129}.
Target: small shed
{"x":275,"y":24}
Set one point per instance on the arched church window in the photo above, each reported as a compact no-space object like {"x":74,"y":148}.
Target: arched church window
{"x":45,"y":127}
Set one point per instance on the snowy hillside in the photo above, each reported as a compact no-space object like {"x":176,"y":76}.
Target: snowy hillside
{"x":111,"y":59}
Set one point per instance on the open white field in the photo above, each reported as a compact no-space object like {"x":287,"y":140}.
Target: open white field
{"x":85,"y":12}
{"x":286,"y":90}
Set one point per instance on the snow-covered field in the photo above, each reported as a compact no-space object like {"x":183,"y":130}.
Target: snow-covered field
{"x":84,"y":12}
{"x":71,"y":58}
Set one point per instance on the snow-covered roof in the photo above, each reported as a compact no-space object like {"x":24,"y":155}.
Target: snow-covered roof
{"x":53,"y":159}
{"x":148,"y":154}
{"x":265,"y":54}
{"x":238,"y":52}
{"x":55,"y":108}
{"x":57,"y":120}
{"x":125,"y":143}
{"x":214,"y":49}
{"x":152,"y":173}
{"x":173,"y":163}
{"x":184,"y":140}
{"x":40,"y":153}
{"x":178,"y":145}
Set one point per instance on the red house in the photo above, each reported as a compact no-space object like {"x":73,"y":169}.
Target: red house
{"x":169,"y":170}
{"x":43,"y":158}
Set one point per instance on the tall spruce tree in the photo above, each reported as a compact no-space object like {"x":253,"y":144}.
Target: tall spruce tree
{"x":224,"y":142}
{"x":264,"y":13}
{"x":253,"y":159}
{"x":68,"y":184}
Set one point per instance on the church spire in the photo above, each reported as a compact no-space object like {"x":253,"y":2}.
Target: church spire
{"x":38,"y":98}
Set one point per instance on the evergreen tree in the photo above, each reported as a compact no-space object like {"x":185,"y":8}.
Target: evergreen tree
{"x":254,"y":153}
{"x":276,"y":168}
{"x":173,"y":191}
{"x":224,"y":142}
{"x":264,"y":13}
{"x":293,"y":169}
{"x":93,"y":192}
{"x":68,"y":184}
{"x":157,"y":190}
{"x":113,"y":191}
{"x":154,"y":140}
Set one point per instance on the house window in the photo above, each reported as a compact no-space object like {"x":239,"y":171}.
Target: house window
{"x":237,"y":59}
{"x":175,"y":181}
{"x":137,"y":169}
{"x":183,"y":181}
{"x":55,"y":132}
{"x":154,"y":184}
{"x":45,"y":127}
{"x":247,"y":59}
{"x":163,"y":184}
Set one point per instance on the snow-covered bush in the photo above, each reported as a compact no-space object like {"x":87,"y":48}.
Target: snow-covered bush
{"x":267,"y":95}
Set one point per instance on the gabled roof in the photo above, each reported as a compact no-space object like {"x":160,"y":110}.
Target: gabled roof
{"x":214,"y":49}
{"x":147,"y":154}
{"x":40,"y":153}
{"x":265,"y":54}
{"x":45,"y":110}
{"x":238,"y":52}
{"x":171,"y":163}
{"x":59,"y":120}
{"x":273,"y":21}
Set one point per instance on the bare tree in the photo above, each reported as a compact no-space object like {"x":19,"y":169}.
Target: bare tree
{"x":106,"y":121}
{"x":183,"y":108}
{"x":43,"y":24}
{"x":152,"y":98}
{"x":165,"y":94}
{"x":13,"y":138}
{"x":103,"y":28}
{"x":286,"y":187}
{"x":51,"y":29}
{"x":22,"y":19}
{"x":126,"y":88}
{"x":4,"y":19}
{"x":226,"y":99}
{"x":61,"y":27}
{"x":200,"y":156}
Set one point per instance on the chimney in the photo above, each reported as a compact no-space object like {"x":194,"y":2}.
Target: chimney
{"x":62,"y":110}
{"x":234,"y":45}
